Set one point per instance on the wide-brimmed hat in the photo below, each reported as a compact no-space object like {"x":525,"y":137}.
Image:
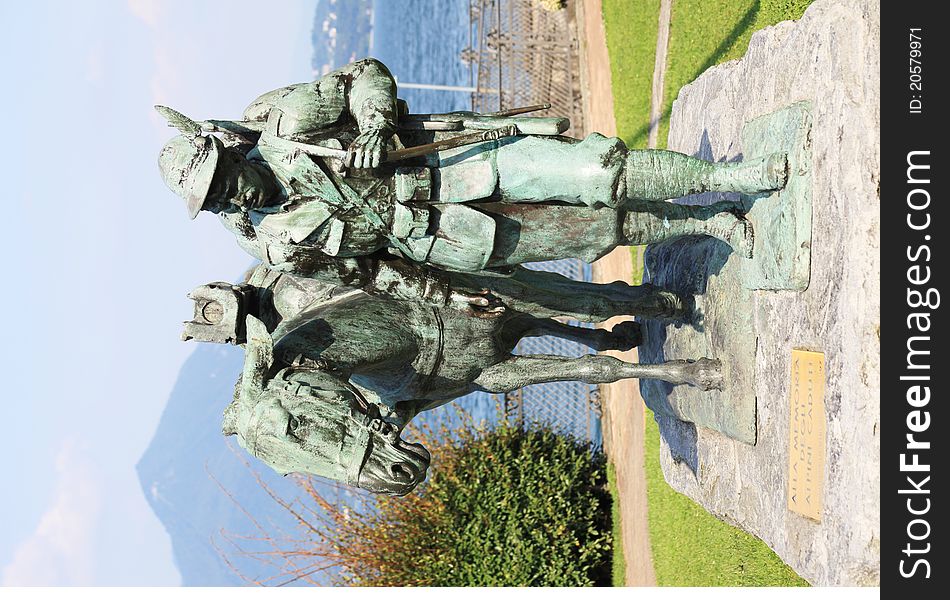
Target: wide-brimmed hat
{"x":188,"y":161}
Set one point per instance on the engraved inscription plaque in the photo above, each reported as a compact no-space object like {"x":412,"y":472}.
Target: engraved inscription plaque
{"x":806,"y":443}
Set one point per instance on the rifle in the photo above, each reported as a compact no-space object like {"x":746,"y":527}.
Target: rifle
{"x":497,"y":122}
{"x":452,"y":121}
{"x":476,"y":137}
{"x":486,"y":121}
{"x":484,"y":126}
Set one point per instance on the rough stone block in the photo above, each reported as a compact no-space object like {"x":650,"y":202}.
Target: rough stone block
{"x":829,"y":58}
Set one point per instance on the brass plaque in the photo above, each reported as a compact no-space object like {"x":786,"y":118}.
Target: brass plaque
{"x":806,"y":441}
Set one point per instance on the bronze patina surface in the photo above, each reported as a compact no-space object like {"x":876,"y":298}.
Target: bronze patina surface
{"x":332,"y":375}
{"x":391,"y":246}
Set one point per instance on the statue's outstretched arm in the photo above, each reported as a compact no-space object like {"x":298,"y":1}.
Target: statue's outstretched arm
{"x":371,"y":101}
{"x":402,"y":280}
{"x":405,"y":280}
{"x":371,"y":97}
{"x":363,"y":91}
{"x":395,"y":278}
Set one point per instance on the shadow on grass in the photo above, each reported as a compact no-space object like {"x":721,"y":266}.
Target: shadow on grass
{"x":742,"y":27}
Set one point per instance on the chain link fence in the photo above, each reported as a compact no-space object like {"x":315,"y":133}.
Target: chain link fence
{"x":522,"y":55}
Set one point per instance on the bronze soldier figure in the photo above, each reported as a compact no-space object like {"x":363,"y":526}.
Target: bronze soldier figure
{"x":295,"y":197}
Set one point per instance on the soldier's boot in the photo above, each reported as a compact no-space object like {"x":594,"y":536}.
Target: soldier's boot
{"x":652,"y":222}
{"x":754,"y":176}
{"x":663,"y":174}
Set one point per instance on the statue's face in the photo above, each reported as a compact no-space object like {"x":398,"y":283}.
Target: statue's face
{"x":240,"y":182}
{"x":267,"y":434}
{"x":298,"y":439}
{"x":393,"y":466}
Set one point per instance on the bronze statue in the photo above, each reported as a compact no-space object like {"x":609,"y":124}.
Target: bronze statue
{"x":332,"y":375}
{"x":298,"y":201}
{"x":391,"y":246}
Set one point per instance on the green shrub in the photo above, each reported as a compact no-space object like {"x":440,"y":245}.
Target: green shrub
{"x":551,"y":5}
{"x":502,"y":507}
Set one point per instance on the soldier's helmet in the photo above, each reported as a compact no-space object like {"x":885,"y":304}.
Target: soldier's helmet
{"x":188,"y":168}
{"x":188,"y":161}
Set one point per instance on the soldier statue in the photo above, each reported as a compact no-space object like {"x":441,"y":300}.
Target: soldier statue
{"x":321,"y":180}
{"x":334,"y":185}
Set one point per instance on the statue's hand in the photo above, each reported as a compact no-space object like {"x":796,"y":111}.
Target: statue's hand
{"x":482,"y":304}
{"x":366,"y":151}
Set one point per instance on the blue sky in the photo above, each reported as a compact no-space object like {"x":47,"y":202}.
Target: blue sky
{"x":100,"y":256}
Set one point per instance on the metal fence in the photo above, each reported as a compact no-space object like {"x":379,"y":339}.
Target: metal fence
{"x":567,"y":406}
{"x":521,"y":55}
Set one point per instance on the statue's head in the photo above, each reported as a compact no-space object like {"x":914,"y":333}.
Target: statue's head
{"x":188,"y":168}
{"x":303,"y":420}
{"x":207,"y":175}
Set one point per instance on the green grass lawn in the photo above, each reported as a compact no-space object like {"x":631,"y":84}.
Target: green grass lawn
{"x":618,"y":567}
{"x":693,"y":548}
{"x":704,"y":33}
{"x":631,"y":39}
{"x":690,"y":546}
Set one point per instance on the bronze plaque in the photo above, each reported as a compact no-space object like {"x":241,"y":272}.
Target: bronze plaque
{"x":806,"y":441}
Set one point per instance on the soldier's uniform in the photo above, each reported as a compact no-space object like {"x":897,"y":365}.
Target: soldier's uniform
{"x":477,"y":207}
{"x":466,"y":209}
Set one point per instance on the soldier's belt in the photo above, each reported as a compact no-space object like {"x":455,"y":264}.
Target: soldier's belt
{"x":413,"y":184}
{"x":410,"y":221}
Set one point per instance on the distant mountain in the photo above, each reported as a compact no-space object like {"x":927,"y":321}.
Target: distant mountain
{"x":188,"y":453}
{"x":342,"y":33}
{"x":177,"y":468}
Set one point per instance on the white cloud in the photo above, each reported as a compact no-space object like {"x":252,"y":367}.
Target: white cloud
{"x":61,"y":550}
{"x":149,"y":11}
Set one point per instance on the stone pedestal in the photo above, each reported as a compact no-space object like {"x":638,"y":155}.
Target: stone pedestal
{"x":781,"y":258}
{"x":707,"y":270}
{"x":733,"y":458}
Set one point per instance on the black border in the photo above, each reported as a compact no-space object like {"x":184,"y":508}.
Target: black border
{"x":903,"y":132}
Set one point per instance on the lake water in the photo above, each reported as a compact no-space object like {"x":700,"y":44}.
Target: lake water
{"x":421,"y":42}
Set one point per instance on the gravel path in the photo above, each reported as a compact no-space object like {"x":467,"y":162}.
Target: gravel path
{"x":659,"y":72}
{"x":623,"y":407}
